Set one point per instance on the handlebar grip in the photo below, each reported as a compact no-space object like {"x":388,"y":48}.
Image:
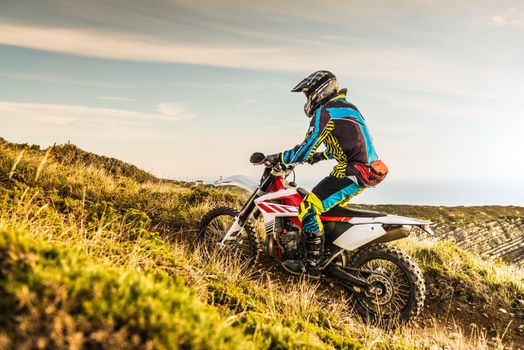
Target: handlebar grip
{"x":257,"y":158}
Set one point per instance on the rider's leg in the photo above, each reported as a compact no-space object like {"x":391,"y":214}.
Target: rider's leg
{"x":309,"y":214}
{"x":328,"y":193}
{"x":333,"y":191}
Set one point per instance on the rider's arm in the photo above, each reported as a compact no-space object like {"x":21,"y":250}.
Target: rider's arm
{"x":315,"y":135}
{"x":327,"y":154}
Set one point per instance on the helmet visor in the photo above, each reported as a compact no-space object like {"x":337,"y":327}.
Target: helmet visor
{"x":301,"y":86}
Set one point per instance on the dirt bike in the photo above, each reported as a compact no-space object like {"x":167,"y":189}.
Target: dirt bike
{"x":384,"y":283}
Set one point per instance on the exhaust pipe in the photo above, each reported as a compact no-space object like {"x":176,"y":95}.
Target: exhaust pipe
{"x":393,"y":234}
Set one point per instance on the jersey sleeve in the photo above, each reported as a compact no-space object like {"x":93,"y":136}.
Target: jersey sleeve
{"x":327,"y":154}
{"x":300,"y":153}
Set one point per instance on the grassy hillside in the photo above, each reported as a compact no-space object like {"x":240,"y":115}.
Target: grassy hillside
{"x":94,"y":254}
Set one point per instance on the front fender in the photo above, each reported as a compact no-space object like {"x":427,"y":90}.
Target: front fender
{"x":242,"y":181}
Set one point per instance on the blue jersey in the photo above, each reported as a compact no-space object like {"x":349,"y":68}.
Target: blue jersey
{"x":338,"y":125}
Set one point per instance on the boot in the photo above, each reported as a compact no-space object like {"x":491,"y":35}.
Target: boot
{"x":310,"y":265}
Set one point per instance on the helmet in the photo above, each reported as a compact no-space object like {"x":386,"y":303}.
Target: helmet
{"x":318,"y":88}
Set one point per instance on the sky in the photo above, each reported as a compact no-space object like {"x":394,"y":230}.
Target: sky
{"x":189,"y":89}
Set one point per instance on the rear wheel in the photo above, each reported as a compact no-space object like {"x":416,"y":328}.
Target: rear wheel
{"x":397,"y":290}
{"x":214,"y":226}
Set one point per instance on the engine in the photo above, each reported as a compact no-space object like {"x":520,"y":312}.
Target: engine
{"x":283,"y":241}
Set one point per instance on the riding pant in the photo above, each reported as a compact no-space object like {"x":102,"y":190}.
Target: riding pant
{"x":330,"y":192}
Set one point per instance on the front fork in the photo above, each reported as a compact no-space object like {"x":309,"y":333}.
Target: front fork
{"x":241,"y":219}
{"x":247,"y":210}
{"x":232,"y":233}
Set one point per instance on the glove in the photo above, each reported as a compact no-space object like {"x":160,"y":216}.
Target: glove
{"x":273,"y":158}
{"x":316,"y":157}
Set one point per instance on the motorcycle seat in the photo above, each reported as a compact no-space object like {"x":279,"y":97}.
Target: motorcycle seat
{"x":354,"y":213}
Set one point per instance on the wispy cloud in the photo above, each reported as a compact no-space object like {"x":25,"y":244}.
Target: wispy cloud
{"x":120,"y":46}
{"x":57,"y":80}
{"x":512,"y":18}
{"x":363,"y":61}
{"x":222,"y":86}
{"x":446,"y":109}
{"x":503,"y":16}
{"x":173,"y":111}
{"x":394,"y":66}
{"x":58,"y":114}
{"x":116,"y":98}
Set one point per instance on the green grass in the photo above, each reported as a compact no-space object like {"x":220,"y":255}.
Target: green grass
{"x":58,"y":298}
{"x":94,"y":254}
{"x":454,"y":274}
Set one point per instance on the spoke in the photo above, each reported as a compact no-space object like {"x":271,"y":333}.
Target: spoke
{"x":216,"y":230}
{"x":391,"y":278}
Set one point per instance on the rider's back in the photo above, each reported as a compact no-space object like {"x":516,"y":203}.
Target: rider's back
{"x":349,"y":140}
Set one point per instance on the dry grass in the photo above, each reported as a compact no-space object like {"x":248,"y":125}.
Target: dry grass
{"x":241,"y":294}
{"x":137,"y":226}
{"x":482,"y":276}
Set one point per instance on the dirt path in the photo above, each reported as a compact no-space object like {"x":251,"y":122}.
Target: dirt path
{"x":458,"y":317}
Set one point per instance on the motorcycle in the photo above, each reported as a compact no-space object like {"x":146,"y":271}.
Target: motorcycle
{"x":384,"y":283}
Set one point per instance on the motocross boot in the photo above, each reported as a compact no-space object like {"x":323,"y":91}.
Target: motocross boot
{"x":311,"y":264}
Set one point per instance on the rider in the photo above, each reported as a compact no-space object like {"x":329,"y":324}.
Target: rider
{"x":339,"y":125}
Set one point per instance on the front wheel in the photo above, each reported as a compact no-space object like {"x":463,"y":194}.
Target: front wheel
{"x":214,"y":226}
{"x":397,"y":290}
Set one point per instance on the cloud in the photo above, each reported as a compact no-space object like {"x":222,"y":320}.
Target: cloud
{"x":352,"y":57}
{"x":384,"y":65}
{"x":512,"y":18}
{"x":120,"y":46}
{"x":48,"y":79}
{"x":116,"y":98}
{"x":67,"y":115}
{"x":362,"y":61}
{"x":174,"y":110}
{"x":442,"y":108}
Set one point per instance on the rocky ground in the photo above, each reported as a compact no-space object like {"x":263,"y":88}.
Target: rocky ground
{"x":496,"y":239}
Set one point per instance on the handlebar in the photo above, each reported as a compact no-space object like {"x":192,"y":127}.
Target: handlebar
{"x":278,"y":169}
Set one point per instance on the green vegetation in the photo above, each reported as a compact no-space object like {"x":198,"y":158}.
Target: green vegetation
{"x":453,"y":274}
{"x":58,"y":298}
{"x":94,"y":254}
{"x":81,"y":183}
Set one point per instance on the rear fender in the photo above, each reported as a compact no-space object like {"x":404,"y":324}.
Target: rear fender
{"x":394,"y":221}
{"x":358,"y":235}
{"x":389,"y":220}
